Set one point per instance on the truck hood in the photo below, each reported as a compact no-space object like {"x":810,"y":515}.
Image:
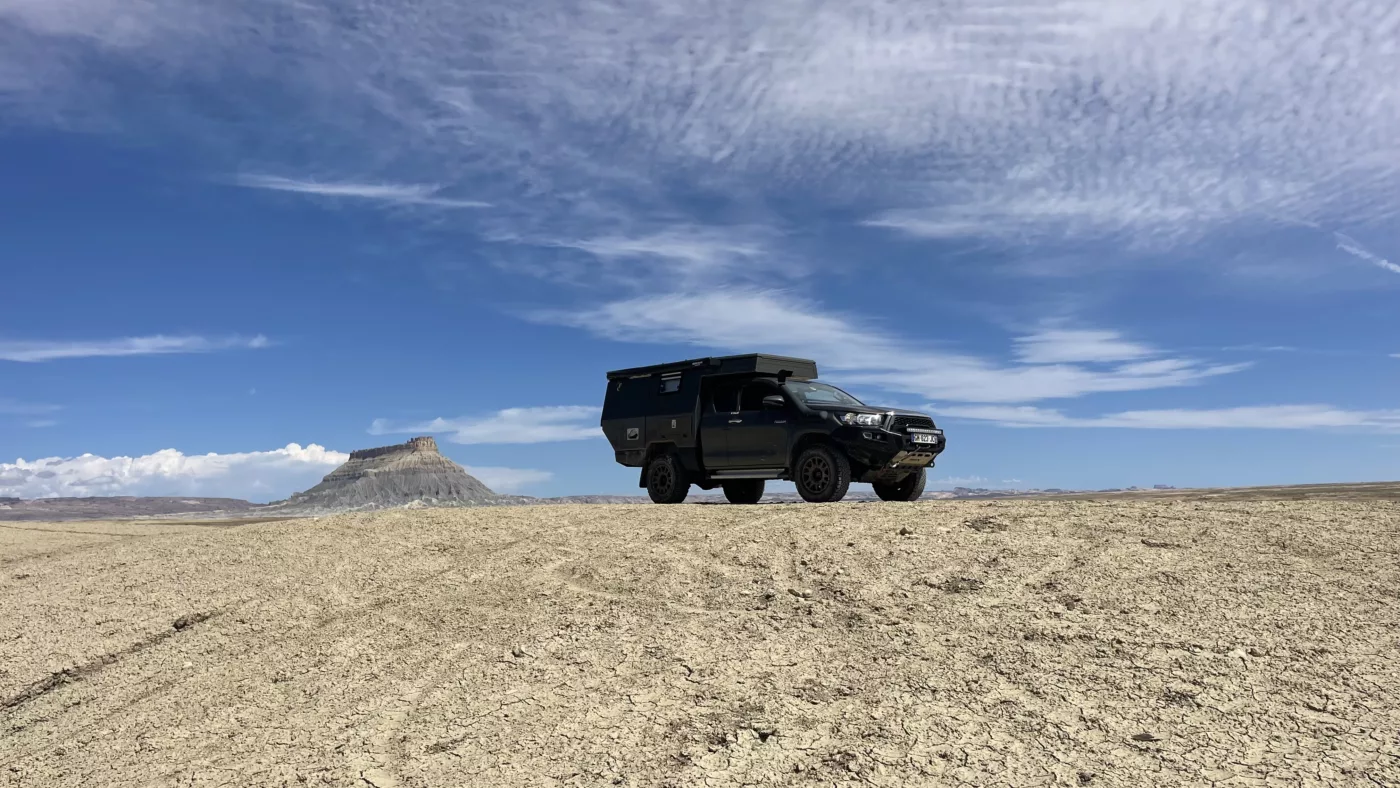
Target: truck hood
{"x":867,"y":409}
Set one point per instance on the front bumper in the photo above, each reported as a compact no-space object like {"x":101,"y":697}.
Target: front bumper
{"x":886,"y":450}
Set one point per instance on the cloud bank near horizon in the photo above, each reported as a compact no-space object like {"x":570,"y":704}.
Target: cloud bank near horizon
{"x":260,"y":476}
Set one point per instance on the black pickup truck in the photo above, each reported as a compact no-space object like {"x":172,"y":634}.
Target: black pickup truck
{"x":737,"y":421}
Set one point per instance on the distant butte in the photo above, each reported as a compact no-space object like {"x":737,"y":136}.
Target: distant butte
{"x":390,"y":476}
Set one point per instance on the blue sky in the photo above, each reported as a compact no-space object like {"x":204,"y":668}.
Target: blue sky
{"x":1106,"y":244}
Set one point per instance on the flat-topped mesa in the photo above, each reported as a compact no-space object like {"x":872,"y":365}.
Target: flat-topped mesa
{"x":423,"y":444}
{"x":413,"y":472}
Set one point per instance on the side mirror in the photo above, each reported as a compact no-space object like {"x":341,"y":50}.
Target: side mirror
{"x":774,"y":402}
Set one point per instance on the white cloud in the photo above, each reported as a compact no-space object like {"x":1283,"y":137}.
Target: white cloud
{"x":958,"y":481}
{"x":1350,"y":246}
{"x":49,"y":350}
{"x":41,"y":423}
{"x":511,"y":425}
{"x":1269,"y":349}
{"x":682,"y":256}
{"x":1150,"y":119}
{"x":1262,"y":417}
{"x":14,"y":407}
{"x":508,"y":480}
{"x":741,"y":320}
{"x":1053,"y":346}
{"x":256,"y":476}
{"x":403,"y":194}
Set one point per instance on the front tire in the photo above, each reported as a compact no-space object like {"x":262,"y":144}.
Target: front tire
{"x":743,"y":490}
{"x":666,"y":480}
{"x":907,"y":489}
{"x":823,"y":475}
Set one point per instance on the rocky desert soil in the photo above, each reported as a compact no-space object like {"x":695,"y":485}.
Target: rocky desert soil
{"x":1082,"y":643}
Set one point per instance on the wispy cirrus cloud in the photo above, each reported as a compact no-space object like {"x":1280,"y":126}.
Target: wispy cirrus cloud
{"x":1066,"y":117}
{"x":511,"y":425}
{"x":741,"y":319}
{"x":50,"y":350}
{"x":1349,"y":245}
{"x":1060,"y":345}
{"x":14,"y":407}
{"x":400,"y":194}
{"x":685,"y":255}
{"x":1259,"y":417}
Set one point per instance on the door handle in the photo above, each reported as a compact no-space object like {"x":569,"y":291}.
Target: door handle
{"x":780,"y":421}
{"x":736,"y":421}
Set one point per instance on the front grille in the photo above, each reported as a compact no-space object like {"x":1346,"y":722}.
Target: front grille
{"x":903,"y":423}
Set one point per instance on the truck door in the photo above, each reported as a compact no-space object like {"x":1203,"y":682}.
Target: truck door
{"x":717,"y":405}
{"x":760,"y":439}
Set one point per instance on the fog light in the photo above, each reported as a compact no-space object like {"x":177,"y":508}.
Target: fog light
{"x":865,"y":435}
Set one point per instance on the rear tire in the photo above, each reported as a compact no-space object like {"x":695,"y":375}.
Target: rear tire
{"x":743,"y":490}
{"x":822,"y":474}
{"x":666,"y":480}
{"x":907,"y":489}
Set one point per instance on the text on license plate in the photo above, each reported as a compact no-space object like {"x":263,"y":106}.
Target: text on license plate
{"x":923,"y":437}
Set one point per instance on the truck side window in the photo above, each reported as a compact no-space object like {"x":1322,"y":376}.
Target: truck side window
{"x":752,"y":397}
{"x":670,"y":385}
{"x":725,"y":397}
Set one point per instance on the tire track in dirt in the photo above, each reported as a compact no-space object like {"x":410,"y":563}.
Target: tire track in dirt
{"x":78,"y":673}
{"x":556,"y":572}
{"x":75,"y":531}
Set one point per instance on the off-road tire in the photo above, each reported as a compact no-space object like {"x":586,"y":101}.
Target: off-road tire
{"x":822,"y":475}
{"x":907,"y":489}
{"x":666,"y":479}
{"x":743,"y":490}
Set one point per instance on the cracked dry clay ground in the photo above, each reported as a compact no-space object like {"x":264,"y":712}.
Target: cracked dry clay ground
{"x":942,"y":643}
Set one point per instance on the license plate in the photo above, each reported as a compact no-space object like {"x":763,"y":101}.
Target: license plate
{"x":923,"y":437}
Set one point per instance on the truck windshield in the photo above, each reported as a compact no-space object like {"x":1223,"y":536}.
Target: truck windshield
{"x":813,"y":393}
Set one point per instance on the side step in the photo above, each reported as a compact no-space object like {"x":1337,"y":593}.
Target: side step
{"x":748,"y":473}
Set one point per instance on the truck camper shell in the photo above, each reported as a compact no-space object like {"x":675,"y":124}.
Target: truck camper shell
{"x":752,"y":363}
{"x":655,"y":404}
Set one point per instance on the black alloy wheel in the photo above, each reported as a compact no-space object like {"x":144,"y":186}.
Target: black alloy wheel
{"x":743,"y":490}
{"x":823,"y":475}
{"x":907,"y":489}
{"x":666,"y":482}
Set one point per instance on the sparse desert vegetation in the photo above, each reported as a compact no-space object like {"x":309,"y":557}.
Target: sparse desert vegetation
{"x":1123,"y":643}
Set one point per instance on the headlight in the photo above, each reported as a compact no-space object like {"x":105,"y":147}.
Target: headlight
{"x":862,"y":419}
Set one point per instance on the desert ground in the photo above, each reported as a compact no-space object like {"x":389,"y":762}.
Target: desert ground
{"x":1055,"y":642}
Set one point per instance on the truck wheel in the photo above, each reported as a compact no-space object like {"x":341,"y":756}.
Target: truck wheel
{"x":743,"y":490}
{"x":823,"y":475}
{"x":666,"y":482}
{"x":907,"y":489}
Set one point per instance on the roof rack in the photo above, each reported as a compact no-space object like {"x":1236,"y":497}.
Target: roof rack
{"x":752,"y":363}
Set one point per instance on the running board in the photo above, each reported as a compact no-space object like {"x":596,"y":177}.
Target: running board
{"x":753,"y":473}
